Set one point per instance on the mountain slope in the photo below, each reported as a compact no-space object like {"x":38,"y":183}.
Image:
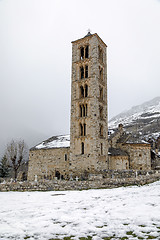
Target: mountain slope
{"x":143,"y":119}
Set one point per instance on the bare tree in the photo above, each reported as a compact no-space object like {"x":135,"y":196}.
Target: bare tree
{"x":17,"y":153}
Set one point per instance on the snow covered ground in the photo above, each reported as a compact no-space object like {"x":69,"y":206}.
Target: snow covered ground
{"x":122,"y":213}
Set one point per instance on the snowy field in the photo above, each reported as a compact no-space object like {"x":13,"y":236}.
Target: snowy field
{"x":122,"y":213}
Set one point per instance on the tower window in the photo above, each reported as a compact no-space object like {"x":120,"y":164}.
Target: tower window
{"x":83,"y":110}
{"x":81,"y":129}
{"x":101,"y":93}
{"x":101,"y":74}
{"x":86,"y":90}
{"x":81,"y":92}
{"x":101,"y":130}
{"x":101,"y":148}
{"x":84,"y":126}
{"x":87,"y":52}
{"x":86,"y":71}
{"x":100,"y":54}
{"x":82,"y":72}
{"x":80,"y":108}
{"x":82,"y":147}
{"x":65,"y":157}
{"x":101,"y":112}
{"x":82,"y":53}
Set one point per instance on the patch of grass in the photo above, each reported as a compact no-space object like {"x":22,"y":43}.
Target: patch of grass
{"x":141,"y":225}
{"x":123,"y":238}
{"x":125,"y":224}
{"x":26,"y":237}
{"x":85,"y":238}
{"x":140,"y":238}
{"x":99,"y":226}
{"x":151,"y":237}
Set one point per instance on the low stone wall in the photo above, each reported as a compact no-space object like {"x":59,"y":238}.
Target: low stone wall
{"x":93,"y":183}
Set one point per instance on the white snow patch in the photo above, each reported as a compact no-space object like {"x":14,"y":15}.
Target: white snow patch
{"x":95,"y":213}
{"x":59,"y":142}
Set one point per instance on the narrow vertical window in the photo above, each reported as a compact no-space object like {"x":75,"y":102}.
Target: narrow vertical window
{"x":81,"y":53}
{"x":81,"y":129}
{"x":101,"y":148}
{"x":80,"y":109}
{"x":86,"y":90}
{"x":101,"y":112}
{"x":101,"y":93}
{"x":82,"y":72}
{"x":82,"y":147}
{"x":84,"y":111}
{"x":100,"y":54}
{"x":84,"y":126}
{"x":81,"y":92}
{"x":101,"y":131}
{"x":87,"y":52}
{"x":86,"y":71}
{"x":101,"y":74}
{"x":65,"y":157}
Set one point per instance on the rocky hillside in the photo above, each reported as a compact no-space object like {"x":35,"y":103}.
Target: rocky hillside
{"x":143,"y":120}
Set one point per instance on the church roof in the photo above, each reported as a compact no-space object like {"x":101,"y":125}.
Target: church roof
{"x":116,"y":152}
{"x":62,"y":141}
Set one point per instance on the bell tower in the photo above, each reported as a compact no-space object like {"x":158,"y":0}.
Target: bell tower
{"x":89,"y":120}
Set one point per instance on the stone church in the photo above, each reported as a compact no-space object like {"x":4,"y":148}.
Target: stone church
{"x":87,"y":150}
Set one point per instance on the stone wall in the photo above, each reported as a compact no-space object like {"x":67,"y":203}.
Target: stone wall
{"x":48,"y":163}
{"x":139,"y":155}
{"x":118,"y":162}
{"x":95,"y":182}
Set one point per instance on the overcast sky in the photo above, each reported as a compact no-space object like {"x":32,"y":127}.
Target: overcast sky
{"x":35,"y":59}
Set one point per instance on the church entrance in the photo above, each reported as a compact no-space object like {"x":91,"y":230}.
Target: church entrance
{"x":58,"y":175}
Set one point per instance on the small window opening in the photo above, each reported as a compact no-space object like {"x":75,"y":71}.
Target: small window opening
{"x":82,"y":53}
{"x":101,"y":112}
{"x":86,"y":71}
{"x":82,"y":147}
{"x":81,"y":92}
{"x":101,"y":74}
{"x":82,"y":72}
{"x":84,"y":111}
{"x":87,"y":52}
{"x":65,"y":157}
{"x":80,"y":107}
{"x":81,"y":129}
{"x":84,"y":129}
{"x":140,"y":155}
{"x":101,"y":148}
{"x":100,"y":54}
{"x":101,"y":93}
{"x":86,"y":90}
{"x":101,"y":130}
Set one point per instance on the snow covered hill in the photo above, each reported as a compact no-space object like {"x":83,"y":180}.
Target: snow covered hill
{"x":143,"y":119}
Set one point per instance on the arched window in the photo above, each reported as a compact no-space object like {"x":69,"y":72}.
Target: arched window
{"x":101,"y":93}
{"x":86,"y":90}
{"x":81,"y":129}
{"x":101,"y":74}
{"x":101,"y":112}
{"x":80,"y":110}
{"x":86,"y":71}
{"x":87,"y":51}
{"x":81,"y":92}
{"x":84,"y":128}
{"x":84,"y":111}
{"x":82,"y":147}
{"x":101,"y":148}
{"x":82,"y":53}
{"x":101,"y":130}
{"x":82,"y":72}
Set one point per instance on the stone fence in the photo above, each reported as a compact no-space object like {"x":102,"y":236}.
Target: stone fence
{"x":94,"y":182}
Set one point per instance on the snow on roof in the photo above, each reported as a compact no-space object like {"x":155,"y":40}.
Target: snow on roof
{"x":54,"y":142}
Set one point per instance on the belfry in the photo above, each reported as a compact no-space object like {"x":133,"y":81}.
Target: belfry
{"x":89,"y":122}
